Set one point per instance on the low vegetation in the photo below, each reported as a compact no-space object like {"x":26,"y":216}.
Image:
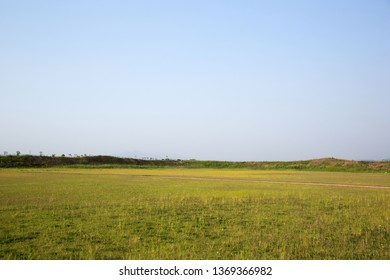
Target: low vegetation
{"x":325,"y":164}
{"x":173,"y":213}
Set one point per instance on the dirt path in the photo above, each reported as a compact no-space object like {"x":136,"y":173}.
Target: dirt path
{"x":265,"y":181}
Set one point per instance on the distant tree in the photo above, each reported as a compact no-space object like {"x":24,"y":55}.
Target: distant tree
{"x":40,"y":153}
{"x":63,"y":155}
{"x":5,"y":153}
{"x":53,"y":155}
{"x":17,"y":153}
{"x":70,"y":155}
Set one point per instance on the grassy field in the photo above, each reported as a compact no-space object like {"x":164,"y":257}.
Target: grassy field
{"x":171,"y":213}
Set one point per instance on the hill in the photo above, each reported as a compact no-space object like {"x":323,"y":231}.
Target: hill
{"x":323,"y":164}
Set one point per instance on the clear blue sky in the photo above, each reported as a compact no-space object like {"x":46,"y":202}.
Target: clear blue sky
{"x":223,"y":80}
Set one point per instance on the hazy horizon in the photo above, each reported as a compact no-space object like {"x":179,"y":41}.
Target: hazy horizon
{"x":160,"y":157}
{"x":219,"y":80}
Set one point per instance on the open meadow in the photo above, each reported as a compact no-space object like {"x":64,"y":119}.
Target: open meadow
{"x":174,"y":213}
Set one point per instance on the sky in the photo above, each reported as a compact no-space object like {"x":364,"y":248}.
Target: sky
{"x":199,"y":79}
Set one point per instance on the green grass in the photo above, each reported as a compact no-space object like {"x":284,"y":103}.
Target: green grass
{"x":169,"y":214}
